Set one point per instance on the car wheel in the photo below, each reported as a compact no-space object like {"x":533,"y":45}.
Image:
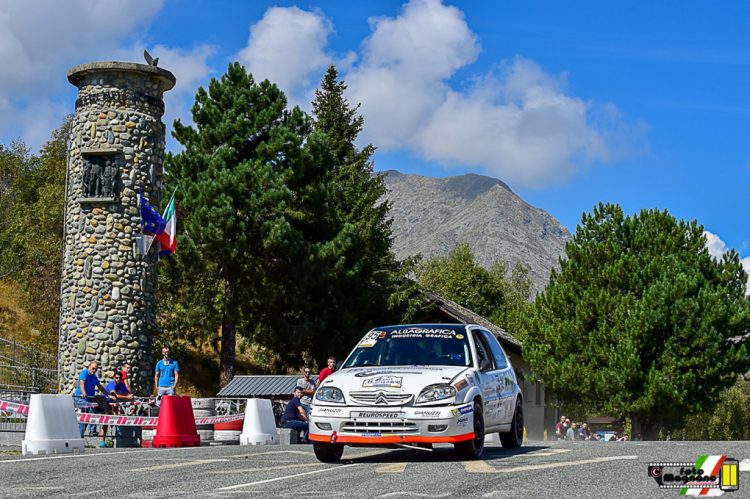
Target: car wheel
{"x":514,"y":438}
{"x":473,"y":449}
{"x":328,"y":453}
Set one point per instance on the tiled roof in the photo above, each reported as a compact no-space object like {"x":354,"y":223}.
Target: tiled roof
{"x":466,"y":316}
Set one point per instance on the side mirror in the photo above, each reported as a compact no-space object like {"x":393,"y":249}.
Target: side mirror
{"x":485,"y":365}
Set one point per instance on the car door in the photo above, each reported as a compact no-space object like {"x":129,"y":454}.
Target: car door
{"x":489,"y":381}
{"x":506,"y":378}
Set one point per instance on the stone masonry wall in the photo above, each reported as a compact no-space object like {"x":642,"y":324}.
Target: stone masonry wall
{"x":108,"y":291}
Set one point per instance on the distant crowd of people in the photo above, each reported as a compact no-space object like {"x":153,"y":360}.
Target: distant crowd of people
{"x":166,"y":375}
{"x":297,"y":413}
{"x":567,"y":430}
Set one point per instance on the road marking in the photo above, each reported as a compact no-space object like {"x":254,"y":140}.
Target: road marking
{"x":745,"y":465}
{"x":412,"y":494}
{"x":96,"y":454}
{"x":391,"y":468}
{"x":563,"y":464}
{"x":251,"y":470}
{"x":259,"y":482}
{"x":185,"y":464}
{"x":478,"y":467}
{"x":241,"y":456}
{"x":546,"y":452}
{"x":483,"y":467}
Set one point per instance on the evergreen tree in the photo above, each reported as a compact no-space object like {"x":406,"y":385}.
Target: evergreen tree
{"x":250,"y":203}
{"x":367,"y":285}
{"x":641,"y":321}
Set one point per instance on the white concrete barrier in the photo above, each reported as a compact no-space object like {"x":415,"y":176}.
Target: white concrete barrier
{"x":227,"y":435}
{"x":492,"y":438}
{"x":259,"y":427}
{"x":52,"y":426}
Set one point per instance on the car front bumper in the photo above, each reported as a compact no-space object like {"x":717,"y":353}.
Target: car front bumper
{"x":391,"y":425}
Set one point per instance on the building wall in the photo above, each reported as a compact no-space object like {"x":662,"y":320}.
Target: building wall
{"x":533,"y":399}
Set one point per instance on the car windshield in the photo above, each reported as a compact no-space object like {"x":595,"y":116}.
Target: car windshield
{"x":424,"y":346}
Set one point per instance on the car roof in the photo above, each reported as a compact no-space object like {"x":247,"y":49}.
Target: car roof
{"x":455,"y":327}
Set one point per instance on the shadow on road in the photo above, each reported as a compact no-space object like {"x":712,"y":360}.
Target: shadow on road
{"x":438,"y":454}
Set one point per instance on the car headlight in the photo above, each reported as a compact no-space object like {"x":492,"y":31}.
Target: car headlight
{"x":436,"y":392}
{"x":330,"y":394}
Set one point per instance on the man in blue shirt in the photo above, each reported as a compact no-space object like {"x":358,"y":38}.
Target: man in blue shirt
{"x":86,"y":392}
{"x":117,"y":389}
{"x":295,"y":416}
{"x":167,"y":373}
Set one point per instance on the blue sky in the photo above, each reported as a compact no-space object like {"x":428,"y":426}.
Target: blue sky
{"x":570,"y":103}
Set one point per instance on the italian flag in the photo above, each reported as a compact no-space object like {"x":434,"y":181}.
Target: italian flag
{"x":168,"y":238}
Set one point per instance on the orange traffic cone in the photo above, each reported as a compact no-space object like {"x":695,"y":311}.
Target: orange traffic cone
{"x":176,"y":426}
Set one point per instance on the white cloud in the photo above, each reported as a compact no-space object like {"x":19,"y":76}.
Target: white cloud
{"x":717,"y":248}
{"x":287,"y":47}
{"x":746,"y":265}
{"x":190,"y":68}
{"x":516,"y":123}
{"x":41,"y":40}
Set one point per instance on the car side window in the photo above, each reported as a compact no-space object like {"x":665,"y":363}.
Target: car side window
{"x":486,"y":361}
{"x":501,"y":361}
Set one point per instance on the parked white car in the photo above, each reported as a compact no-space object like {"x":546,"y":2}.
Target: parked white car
{"x":419,"y":384}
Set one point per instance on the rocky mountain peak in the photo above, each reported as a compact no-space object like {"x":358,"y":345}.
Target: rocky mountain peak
{"x":433,"y":215}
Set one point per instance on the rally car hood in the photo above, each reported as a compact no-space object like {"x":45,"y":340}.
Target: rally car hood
{"x":401,"y":379}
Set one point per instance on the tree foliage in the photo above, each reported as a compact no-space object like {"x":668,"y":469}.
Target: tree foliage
{"x":31,"y":227}
{"x":366,"y":285}
{"x":641,"y":321}
{"x":730,"y":419}
{"x":282,"y":237}
{"x":498,"y":294}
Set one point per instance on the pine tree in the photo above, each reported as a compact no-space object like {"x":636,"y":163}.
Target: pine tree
{"x":247,"y":203}
{"x":368,"y":286}
{"x":641,"y":321}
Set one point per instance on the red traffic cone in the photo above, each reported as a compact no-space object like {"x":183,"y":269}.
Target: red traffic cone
{"x":176,"y":426}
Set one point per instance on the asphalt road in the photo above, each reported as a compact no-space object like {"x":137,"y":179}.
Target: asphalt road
{"x":539,"y":469}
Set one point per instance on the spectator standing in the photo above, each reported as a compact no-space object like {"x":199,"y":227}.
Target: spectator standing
{"x":125,"y":374}
{"x":308,"y":389}
{"x":295,"y":417}
{"x":166,"y":374}
{"x":559,"y":429}
{"x":583,"y":432}
{"x":88,"y":382}
{"x":570,"y":434}
{"x":328,"y":370}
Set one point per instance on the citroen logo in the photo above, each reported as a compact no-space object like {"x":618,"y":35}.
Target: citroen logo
{"x":381,"y":398}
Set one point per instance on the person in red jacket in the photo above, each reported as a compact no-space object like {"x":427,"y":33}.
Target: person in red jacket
{"x":328,"y":370}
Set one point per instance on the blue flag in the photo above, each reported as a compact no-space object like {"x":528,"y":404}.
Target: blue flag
{"x":151,"y":221}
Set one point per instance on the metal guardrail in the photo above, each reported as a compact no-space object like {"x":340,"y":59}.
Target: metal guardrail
{"x":26,"y":369}
{"x":16,"y":354}
{"x":27,"y":379}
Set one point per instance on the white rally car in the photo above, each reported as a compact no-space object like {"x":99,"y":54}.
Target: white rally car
{"x":419,"y":385}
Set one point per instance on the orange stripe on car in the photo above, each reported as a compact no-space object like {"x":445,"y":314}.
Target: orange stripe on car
{"x":392,"y":439}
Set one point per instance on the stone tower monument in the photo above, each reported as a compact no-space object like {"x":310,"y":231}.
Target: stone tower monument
{"x":108,"y":290}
